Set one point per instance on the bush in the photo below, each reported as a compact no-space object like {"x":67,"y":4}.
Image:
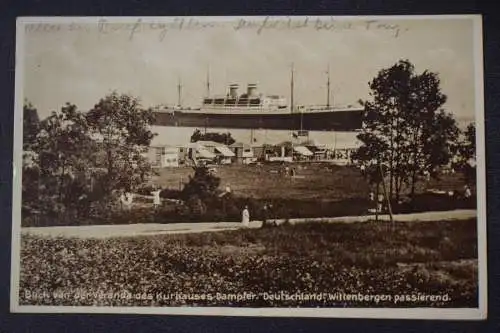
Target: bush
{"x":306,"y":258}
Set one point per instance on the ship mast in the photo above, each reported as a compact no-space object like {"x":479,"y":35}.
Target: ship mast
{"x":291,"y":91}
{"x":208,"y":82}
{"x":328,"y":87}
{"x":179,"y":92}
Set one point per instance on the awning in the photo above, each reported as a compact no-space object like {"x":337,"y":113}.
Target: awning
{"x":226,"y":152}
{"x":302,"y":150}
{"x":205,"y":153}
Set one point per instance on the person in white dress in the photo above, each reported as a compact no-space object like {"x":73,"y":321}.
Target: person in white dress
{"x":245,"y":217}
{"x":467,"y":192}
{"x":129,"y":200}
{"x":156,"y":198}
{"x":123,"y":200}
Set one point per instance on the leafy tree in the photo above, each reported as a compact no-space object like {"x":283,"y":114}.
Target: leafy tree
{"x":203,"y":184}
{"x":224,"y":138}
{"x":466,"y":154}
{"x":61,"y":151}
{"x":404,"y":128}
{"x":122,"y":129}
{"x":31,"y":128}
{"x":31,"y":125}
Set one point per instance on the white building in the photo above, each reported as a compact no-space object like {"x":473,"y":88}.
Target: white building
{"x":164,"y":156}
{"x":223,"y":155}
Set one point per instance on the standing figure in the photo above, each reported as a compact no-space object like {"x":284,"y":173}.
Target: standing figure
{"x":467,"y":192}
{"x":129,"y":197}
{"x":265,"y":215}
{"x":371,"y":197}
{"x":380,"y":203}
{"x":156,"y":198}
{"x":123,"y":200}
{"x":228,"y":189}
{"x":245,"y":217}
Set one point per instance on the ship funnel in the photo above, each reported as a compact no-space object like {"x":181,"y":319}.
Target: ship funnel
{"x":233,"y":90}
{"x":252,"y":90}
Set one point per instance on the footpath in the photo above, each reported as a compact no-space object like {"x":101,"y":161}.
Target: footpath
{"x":130,"y":230}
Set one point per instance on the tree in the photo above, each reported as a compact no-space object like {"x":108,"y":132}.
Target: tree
{"x":203,"y":184}
{"x":60,"y":151}
{"x":404,"y":128}
{"x":466,"y":154}
{"x":31,"y":128}
{"x":224,"y":138}
{"x":122,"y":129}
{"x":31,"y":125}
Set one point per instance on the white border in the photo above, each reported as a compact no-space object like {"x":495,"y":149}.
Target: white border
{"x":395,"y":313}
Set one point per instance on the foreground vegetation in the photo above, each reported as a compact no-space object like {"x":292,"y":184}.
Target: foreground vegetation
{"x":420,"y":258}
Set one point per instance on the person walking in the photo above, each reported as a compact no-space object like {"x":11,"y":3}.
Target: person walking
{"x":245,"y":217}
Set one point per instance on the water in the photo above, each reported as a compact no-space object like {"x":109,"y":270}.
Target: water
{"x":181,"y":136}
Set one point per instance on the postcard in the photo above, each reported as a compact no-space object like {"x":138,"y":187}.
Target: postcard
{"x":280,"y":166}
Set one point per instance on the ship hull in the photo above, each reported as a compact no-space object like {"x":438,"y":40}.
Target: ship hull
{"x":350,"y":120}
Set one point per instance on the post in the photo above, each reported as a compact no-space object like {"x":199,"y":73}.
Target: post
{"x":387,"y":197}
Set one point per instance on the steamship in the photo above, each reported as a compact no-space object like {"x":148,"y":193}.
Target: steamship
{"x":254,"y":110}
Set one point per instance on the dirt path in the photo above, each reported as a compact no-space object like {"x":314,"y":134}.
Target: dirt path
{"x":109,"y":231}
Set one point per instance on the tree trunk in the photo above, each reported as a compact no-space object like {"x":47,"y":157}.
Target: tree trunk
{"x":391,"y":162}
{"x":61,"y":182}
{"x":413,"y":181}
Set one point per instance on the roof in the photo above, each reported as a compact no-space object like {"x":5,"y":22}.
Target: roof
{"x":313,"y":143}
{"x":208,"y":143}
{"x":205,"y":153}
{"x":240,"y":145}
{"x":302,"y":150}
{"x":171,"y":150}
{"x":194,"y":145}
{"x":224,"y":151}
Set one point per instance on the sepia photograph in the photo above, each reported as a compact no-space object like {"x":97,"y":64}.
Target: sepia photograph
{"x":297,"y":166}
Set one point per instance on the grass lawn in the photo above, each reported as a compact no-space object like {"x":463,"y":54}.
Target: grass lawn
{"x":418,"y":264}
{"x":314,"y":181}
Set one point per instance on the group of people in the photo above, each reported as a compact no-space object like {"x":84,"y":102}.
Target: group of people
{"x":266,"y":214}
{"x":288,"y":172}
{"x":379,"y":201}
{"x":126,"y":198}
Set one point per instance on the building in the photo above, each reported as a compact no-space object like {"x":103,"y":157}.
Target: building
{"x":243,"y":152}
{"x":301,"y":153}
{"x":164,"y":156}
{"x":320,"y":152}
{"x":197,"y":153}
{"x":223,"y":155}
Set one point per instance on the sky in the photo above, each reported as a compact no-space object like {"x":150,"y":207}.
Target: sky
{"x":81,"y":61}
